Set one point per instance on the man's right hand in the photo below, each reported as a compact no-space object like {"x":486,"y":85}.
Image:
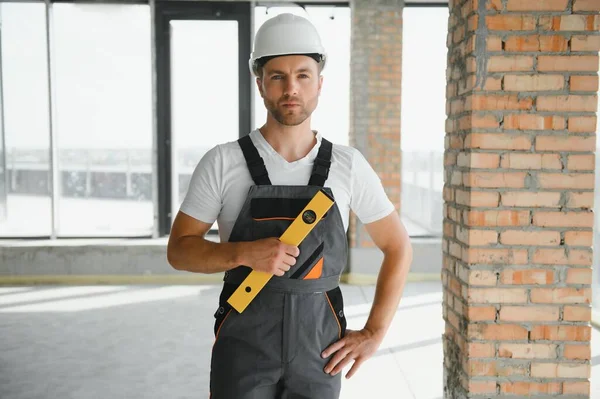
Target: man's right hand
{"x":270,"y":255}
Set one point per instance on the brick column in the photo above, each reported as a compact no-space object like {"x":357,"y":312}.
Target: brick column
{"x":519,"y":170}
{"x":375,"y":91}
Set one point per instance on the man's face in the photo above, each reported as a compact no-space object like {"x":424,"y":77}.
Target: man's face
{"x":290,"y":86}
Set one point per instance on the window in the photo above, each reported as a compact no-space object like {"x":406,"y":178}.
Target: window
{"x":25,"y":202}
{"x":102,"y":79}
{"x":423,"y":118}
{"x":332,"y":116}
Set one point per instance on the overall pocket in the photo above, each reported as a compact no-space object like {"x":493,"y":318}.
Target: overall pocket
{"x":225,"y":309}
{"x":336,"y":304}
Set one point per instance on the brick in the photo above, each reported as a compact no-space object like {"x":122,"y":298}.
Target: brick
{"x":537,"y":43}
{"x":545,"y":370}
{"x":563,"y":219}
{"x":496,"y":332}
{"x":579,"y":276}
{"x":493,"y":43}
{"x":580,"y":200}
{"x":570,"y":370}
{"x":576,"y":388}
{"x":551,"y":161}
{"x":478,"y":160}
{"x":527,"y":276}
{"x":533,"y":122}
{"x":495,"y":256}
{"x":579,"y":238}
{"x":481,"y":313}
{"x":522,"y":83}
{"x":521,"y":161}
{"x":482,"y":387}
{"x":476,"y":349}
{"x":477,"y":198}
{"x":497,"y":141}
{"x":560,"y":370}
{"x":565,"y":143}
{"x":561,"y":333}
{"x":496,"y":295}
{"x":572,"y":103}
{"x":531,"y":200}
{"x":538,"y":5}
{"x":529,"y":314}
{"x":577,"y":352}
{"x":501,"y":102}
{"x":483,"y":121}
{"x":586,"y":5}
{"x":495,"y":218}
{"x":561,"y":295}
{"x":566,"y":180}
{"x":479,"y":368}
{"x":476,"y":237}
{"x":558,"y":256}
{"x":581,"y":162}
{"x":529,"y":388}
{"x":509,"y":369}
{"x":584,"y":83}
{"x":482,"y":277}
{"x":495,"y":5}
{"x":585,"y":43}
{"x":582,"y":124}
{"x":568,"y":63}
{"x":520,"y":237}
{"x":494,"y":179}
{"x":577,"y":313}
{"x":510,"y":22}
{"x":510,"y":63}
{"x":569,"y":23}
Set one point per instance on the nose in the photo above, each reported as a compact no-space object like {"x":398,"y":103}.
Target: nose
{"x":291,"y":86}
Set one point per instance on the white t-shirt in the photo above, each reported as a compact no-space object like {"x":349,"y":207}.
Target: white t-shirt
{"x":221,"y":180}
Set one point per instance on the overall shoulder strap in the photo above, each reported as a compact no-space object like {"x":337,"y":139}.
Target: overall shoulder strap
{"x":322,"y":164}
{"x":255,"y":163}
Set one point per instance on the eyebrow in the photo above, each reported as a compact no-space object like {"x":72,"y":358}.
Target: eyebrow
{"x":276,"y":71}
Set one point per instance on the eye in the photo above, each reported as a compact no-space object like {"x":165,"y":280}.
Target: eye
{"x":304,"y":76}
{"x":276,"y":77}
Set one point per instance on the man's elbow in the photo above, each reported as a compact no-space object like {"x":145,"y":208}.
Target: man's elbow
{"x":173,"y":257}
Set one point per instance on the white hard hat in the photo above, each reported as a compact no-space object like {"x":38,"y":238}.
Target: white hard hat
{"x":286,"y":34}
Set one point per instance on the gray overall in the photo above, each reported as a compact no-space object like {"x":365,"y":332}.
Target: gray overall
{"x":272,"y":350}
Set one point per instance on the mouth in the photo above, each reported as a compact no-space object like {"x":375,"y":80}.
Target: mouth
{"x":287,"y":105}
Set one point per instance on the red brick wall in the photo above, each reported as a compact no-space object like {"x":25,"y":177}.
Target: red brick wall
{"x":376,"y":65}
{"x":519,"y":170}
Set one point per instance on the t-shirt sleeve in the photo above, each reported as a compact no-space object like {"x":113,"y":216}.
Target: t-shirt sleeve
{"x":369,"y":200}
{"x":203,"y":198}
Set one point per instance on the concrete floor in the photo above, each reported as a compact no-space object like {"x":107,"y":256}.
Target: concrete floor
{"x":154,"y":342}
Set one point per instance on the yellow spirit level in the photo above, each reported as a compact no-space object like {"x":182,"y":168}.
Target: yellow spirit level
{"x":293,"y":235}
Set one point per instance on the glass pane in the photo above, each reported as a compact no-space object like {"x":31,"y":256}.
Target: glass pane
{"x":103,"y":91}
{"x":423,"y":118}
{"x":332,"y":116}
{"x":28,"y":208}
{"x":204,"y":94}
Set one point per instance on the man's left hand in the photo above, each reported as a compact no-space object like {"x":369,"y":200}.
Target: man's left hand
{"x":356,"y":345}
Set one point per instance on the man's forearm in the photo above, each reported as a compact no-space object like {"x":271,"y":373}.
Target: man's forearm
{"x":198,"y":255}
{"x":390,"y":285}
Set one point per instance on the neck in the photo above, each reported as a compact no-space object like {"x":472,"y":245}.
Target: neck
{"x":291,"y":142}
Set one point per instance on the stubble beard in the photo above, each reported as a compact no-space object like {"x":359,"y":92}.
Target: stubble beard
{"x":291,"y":117}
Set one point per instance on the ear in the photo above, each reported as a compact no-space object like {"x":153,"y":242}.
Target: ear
{"x":260,"y":88}
{"x":320,"y":84}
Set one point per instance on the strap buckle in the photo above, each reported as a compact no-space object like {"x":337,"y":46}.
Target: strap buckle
{"x":321,"y":167}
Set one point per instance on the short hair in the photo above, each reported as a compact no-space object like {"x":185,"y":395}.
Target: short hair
{"x":260,"y":63}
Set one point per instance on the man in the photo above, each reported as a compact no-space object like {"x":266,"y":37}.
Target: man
{"x":291,"y":341}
